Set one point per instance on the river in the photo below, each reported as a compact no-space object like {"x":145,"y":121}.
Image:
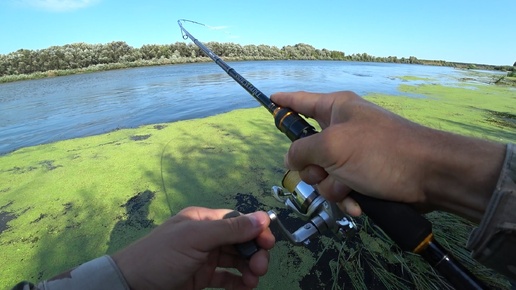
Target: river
{"x":47,"y":110}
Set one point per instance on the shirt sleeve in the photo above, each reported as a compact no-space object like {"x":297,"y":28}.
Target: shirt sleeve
{"x":98,"y":274}
{"x":493,"y":242}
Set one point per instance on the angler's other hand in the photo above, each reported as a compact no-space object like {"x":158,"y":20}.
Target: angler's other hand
{"x":191,"y":250}
{"x":365,"y":148}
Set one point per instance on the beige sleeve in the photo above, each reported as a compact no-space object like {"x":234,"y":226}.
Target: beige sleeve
{"x":100,"y":273}
{"x":493,"y":242}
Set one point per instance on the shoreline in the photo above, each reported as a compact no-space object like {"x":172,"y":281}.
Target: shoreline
{"x":189,"y":60}
{"x":404,"y":90}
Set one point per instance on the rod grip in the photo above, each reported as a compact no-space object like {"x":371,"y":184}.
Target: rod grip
{"x":400,"y":221}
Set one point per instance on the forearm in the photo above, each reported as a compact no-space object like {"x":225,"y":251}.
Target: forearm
{"x":462,"y":173}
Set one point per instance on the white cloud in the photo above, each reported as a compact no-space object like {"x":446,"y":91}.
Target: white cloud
{"x":58,"y":5}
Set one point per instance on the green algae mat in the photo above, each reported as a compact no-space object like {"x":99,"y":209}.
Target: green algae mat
{"x":67,"y":202}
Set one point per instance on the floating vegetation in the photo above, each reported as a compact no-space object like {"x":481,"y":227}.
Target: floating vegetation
{"x":502,"y":119}
{"x":99,"y":193}
{"x":140,"y":137}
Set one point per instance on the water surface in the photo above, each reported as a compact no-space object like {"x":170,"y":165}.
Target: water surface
{"x":47,"y":110}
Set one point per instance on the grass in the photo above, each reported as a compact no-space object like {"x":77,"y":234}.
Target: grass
{"x":98,"y":68}
{"x":67,"y":202}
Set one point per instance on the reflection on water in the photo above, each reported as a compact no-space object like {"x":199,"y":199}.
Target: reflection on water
{"x":47,"y":110}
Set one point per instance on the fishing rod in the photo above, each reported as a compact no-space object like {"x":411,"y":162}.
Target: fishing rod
{"x":287,"y":120}
{"x":401,"y":222}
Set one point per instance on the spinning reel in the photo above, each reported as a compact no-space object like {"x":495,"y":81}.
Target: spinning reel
{"x":321,"y":215}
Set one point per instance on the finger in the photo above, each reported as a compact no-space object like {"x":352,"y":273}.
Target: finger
{"x":201,"y":213}
{"x":333,"y":189}
{"x":350,"y":206}
{"x":251,"y":270}
{"x":301,"y":102}
{"x":216,"y":233}
{"x":312,"y":150}
{"x":231,"y":260}
{"x":313,"y":105}
{"x":266,"y":239}
{"x":249,"y":277}
{"x":313,"y":174}
{"x":259,"y":263}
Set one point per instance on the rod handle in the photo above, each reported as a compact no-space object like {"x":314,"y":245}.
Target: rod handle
{"x":246,"y":249}
{"x":400,"y":221}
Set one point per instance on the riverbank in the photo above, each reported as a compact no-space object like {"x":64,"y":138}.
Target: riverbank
{"x":99,"y":68}
{"x":75,"y":58}
{"x":504,"y":80}
{"x":99,"y":193}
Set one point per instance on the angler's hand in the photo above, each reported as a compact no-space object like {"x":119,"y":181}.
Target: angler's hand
{"x":366,"y":148}
{"x":191,"y":250}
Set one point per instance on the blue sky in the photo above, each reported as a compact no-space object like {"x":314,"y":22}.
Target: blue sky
{"x":453,"y":30}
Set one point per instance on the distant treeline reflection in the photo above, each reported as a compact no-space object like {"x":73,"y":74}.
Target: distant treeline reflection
{"x":83,"y":57}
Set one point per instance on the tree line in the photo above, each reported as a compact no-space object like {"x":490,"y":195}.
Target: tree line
{"x":82,"y":55}
{"x":119,"y":54}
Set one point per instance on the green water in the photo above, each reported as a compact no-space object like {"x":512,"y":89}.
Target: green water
{"x":73,"y":200}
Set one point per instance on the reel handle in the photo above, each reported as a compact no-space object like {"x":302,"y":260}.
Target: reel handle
{"x":246,"y":249}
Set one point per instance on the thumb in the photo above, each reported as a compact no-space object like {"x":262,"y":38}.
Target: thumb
{"x":233,"y":230}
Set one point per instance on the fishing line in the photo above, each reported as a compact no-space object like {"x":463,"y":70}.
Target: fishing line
{"x":163,"y":185}
{"x":191,"y":21}
{"x":163,"y":178}
{"x":218,"y":28}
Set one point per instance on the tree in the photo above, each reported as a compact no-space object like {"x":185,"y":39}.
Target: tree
{"x":334,"y":54}
{"x":149,"y":51}
{"x":289,"y":52}
{"x":268,"y":51}
{"x":250,"y":50}
{"x":305,"y":51}
{"x":83,"y":55}
{"x":182,"y":48}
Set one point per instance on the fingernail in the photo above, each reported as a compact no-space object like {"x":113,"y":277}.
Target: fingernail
{"x":352,"y":207}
